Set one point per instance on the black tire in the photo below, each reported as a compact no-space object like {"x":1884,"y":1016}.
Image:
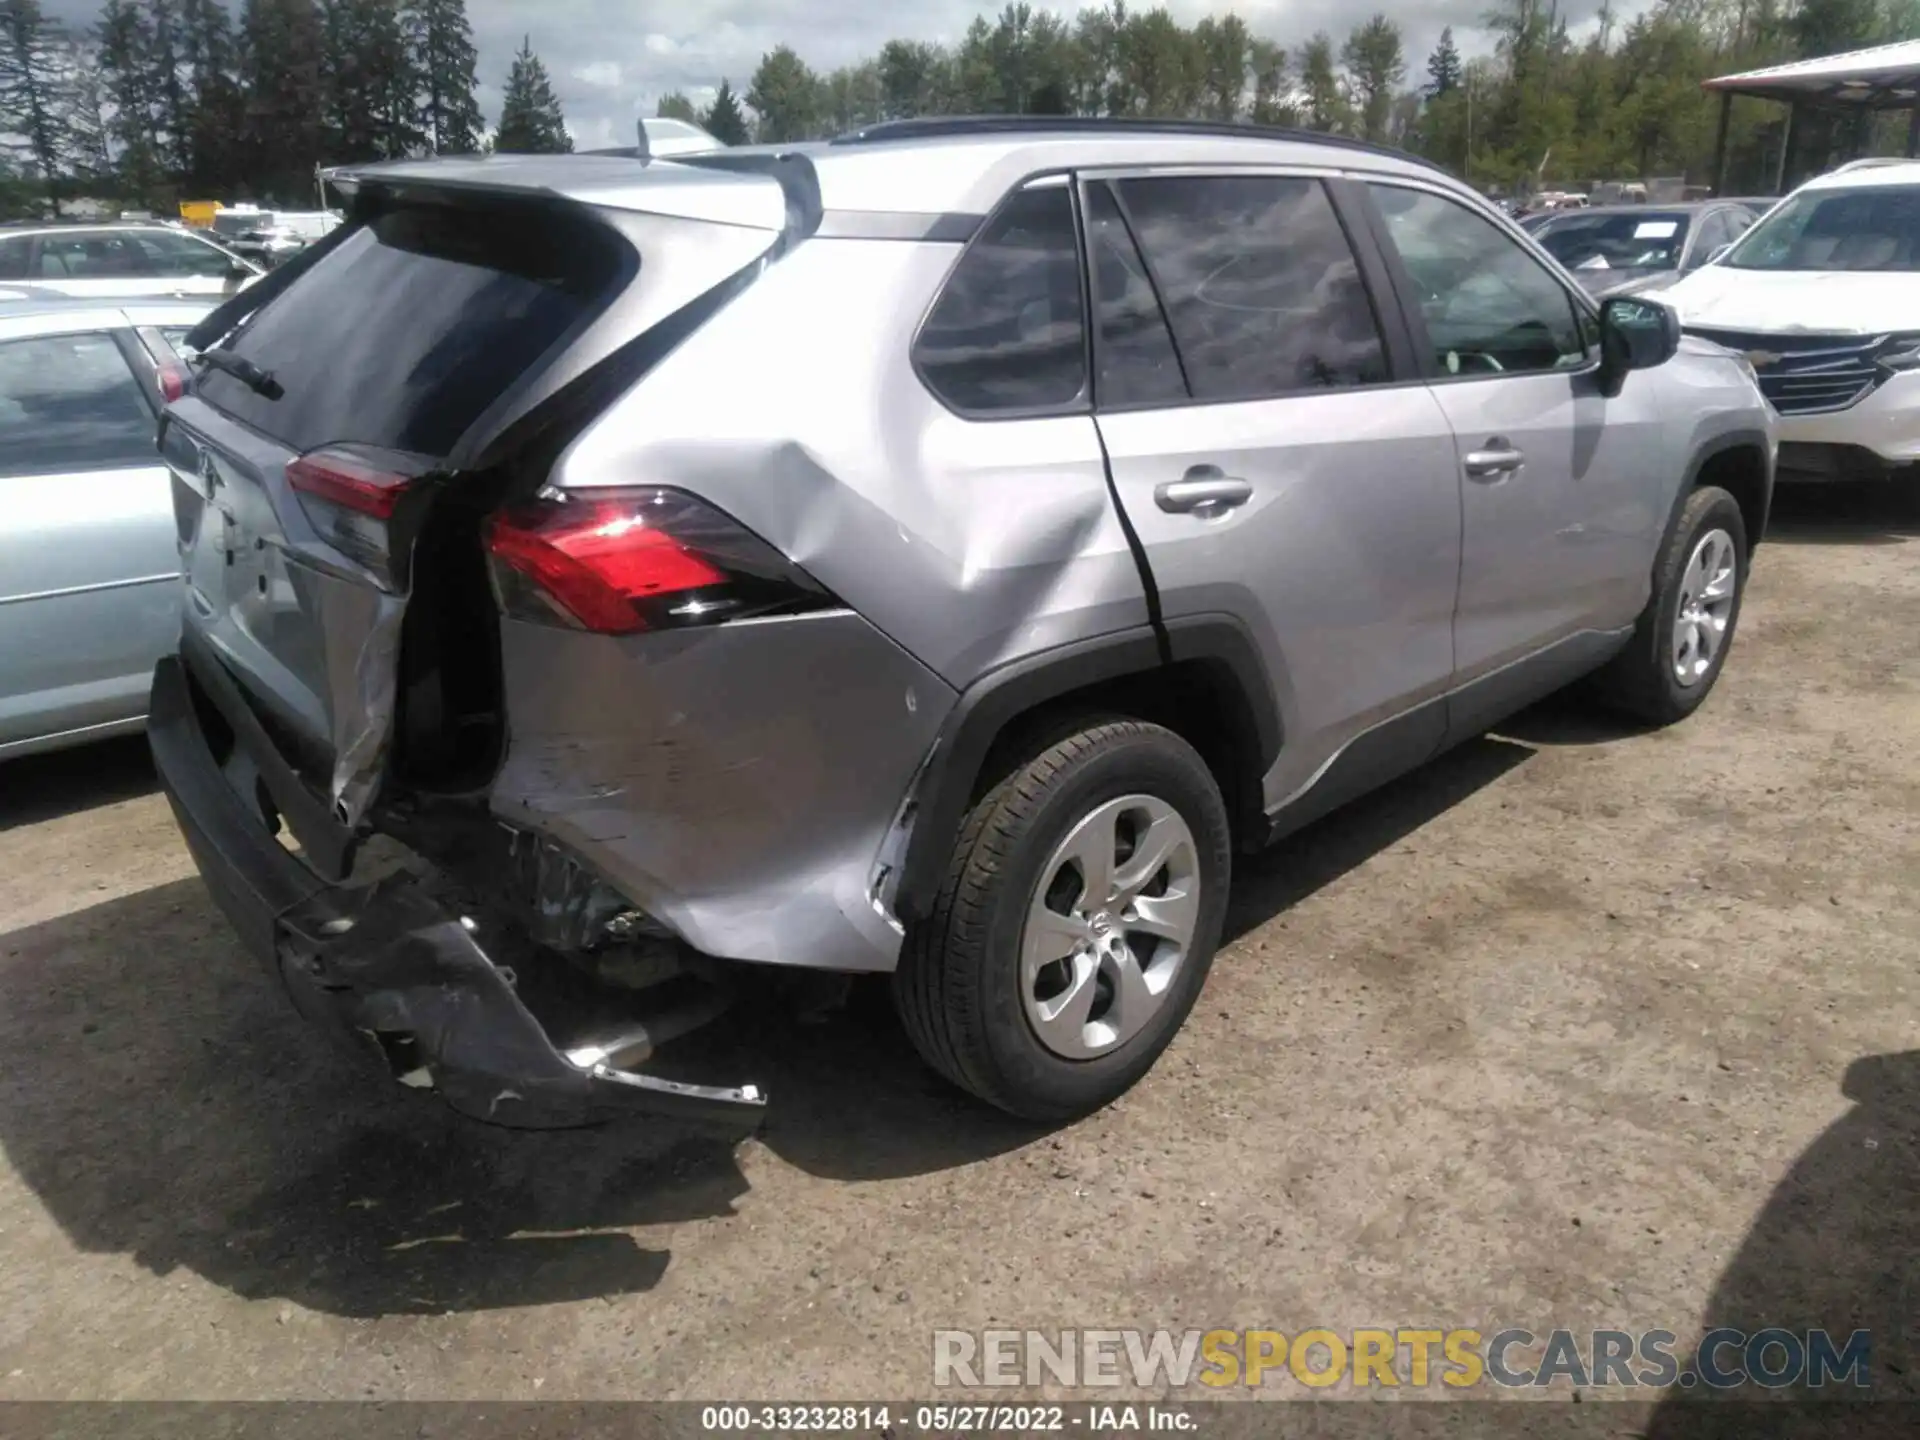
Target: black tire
{"x":1640,"y":681}
{"x":958,"y":987}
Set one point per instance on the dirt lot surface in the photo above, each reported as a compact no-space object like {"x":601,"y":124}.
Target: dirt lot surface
{"x":1575,"y":1027}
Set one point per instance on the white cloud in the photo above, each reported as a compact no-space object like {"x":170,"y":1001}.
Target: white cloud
{"x":601,"y":74}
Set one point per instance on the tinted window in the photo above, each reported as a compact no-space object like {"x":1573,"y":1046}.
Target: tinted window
{"x":69,"y":402}
{"x":1490,"y":307}
{"x":1259,"y":283}
{"x":1007,"y":332}
{"x":169,"y":253}
{"x":14,"y":254}
{"x":1136,"y":356}
{"x":92,"y":255}
{"x":1618,"y":240}
{"x":403,"y":335}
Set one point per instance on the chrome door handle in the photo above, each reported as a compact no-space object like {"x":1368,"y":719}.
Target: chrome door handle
{"x":1205,"y":491}
{"x":1496,"y":461}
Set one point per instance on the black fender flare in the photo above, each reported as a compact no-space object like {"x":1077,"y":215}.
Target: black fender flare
{"x":1744,"y":439}
{"x":1002,"y":696}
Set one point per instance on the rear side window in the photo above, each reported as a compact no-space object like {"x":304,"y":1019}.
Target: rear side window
{"x":1137,"y":363}
{"x":92,"y":256}
{"x":408,"y":331}
{"x":1008,"y":334}
{"x":69,"y":402}
{"x":1261,"y":287}
{"x":14,"y":254}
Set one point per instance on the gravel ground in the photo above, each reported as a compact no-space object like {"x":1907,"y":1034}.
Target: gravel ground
{"x":1575,"y":1027}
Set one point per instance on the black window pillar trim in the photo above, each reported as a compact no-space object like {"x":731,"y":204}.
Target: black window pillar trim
{"x":1399,"y":296}
{"x":1353,"y":209}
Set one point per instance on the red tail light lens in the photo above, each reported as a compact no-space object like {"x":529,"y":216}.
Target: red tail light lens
{"x":342,"y":477}
{"x":621,"y":561}
{"x":349,"y":495}
{"x":173,"y":383}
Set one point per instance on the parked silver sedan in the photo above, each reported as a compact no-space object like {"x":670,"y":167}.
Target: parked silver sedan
{"x":89,"y":565}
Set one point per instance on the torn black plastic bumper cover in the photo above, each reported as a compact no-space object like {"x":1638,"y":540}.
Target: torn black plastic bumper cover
{"x":391,"y":964}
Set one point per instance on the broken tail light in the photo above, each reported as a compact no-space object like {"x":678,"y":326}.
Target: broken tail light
{"x":351,"y":495}
{"x":621,"y":561}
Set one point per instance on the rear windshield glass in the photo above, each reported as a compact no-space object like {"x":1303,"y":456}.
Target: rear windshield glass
{"x":1637,"y":240}
{"x":415,"y":324}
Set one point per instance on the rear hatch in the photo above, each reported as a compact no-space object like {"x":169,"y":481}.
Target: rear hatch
{"x":387,"y":391}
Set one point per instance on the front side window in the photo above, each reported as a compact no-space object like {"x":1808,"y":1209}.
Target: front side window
{"x":69,"y":403}
{"x":1490,"y":308}
{"x":1259,"y":283}
{"x":170,"y":253}
{"x":1008,"y":333}
{"x":1875,"y":229}
{"x":14,"y":255}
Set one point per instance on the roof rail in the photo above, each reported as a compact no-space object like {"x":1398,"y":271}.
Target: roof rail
{"x":933,"y":127}
{"x":1871,"y":162}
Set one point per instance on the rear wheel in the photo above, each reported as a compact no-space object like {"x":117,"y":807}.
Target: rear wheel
{"x":1076,"y":924}
{"x":1681,"y":642}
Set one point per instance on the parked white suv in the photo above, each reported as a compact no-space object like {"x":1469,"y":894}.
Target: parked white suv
{"x":1823,"y":298}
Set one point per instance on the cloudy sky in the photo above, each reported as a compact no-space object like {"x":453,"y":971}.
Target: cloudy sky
{"x":612,"y":60}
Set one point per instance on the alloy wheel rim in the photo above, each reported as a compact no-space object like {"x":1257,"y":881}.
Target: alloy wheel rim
{"x":1708,"y":588}
{"x":1109,"y":926}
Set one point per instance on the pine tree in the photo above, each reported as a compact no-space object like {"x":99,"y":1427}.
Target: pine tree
{"x":33,"y":109}
{"x":786,"y":96}
{"x":122,"y":41}
{"x":530,"y":118}
{"x":676,"y":106}
{"x":723,"y":119}
{"x":1326,"y":105}
{"x":217,"y":112}
{"x":1270,"y":88}
{"x":84,"y":85}
{"x":444,"y":60}
{"x":371,"y":82}
{"x":281,"y":53}
{"x":1443,"y":66}
{"x":1375,"y":66}
{"x":169,"y":97}
{"x":1229,"y":52}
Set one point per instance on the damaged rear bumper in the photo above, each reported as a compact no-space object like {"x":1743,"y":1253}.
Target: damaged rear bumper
{"x":388,"y":964}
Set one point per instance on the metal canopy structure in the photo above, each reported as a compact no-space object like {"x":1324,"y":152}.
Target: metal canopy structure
{"x":1882,"y":77}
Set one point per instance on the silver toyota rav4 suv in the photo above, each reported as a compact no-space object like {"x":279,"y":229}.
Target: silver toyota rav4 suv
{"x":612,"y":586}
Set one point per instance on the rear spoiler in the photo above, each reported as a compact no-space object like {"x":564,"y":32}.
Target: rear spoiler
{"x":799,"y":182}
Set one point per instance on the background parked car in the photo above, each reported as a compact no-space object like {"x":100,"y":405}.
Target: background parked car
{"x":89,"y":562}
{"x":1823,"y":298}
{"x":122,"y":260}
{"x":1637,"y":248}
{"x":280,"y":234}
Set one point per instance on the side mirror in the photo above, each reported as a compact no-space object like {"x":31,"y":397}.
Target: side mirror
{"x":1635,"y":334}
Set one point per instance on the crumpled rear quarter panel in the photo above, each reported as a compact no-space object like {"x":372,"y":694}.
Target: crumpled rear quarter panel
{"x":734,"y":782}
